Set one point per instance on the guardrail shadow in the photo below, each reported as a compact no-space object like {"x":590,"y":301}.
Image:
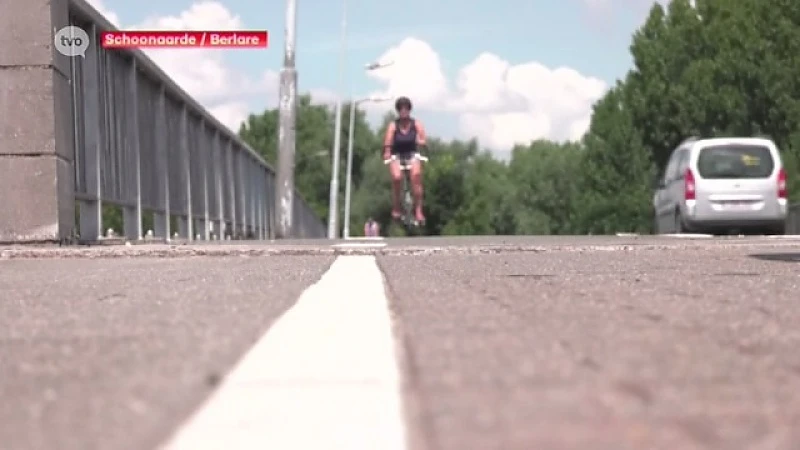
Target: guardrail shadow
{"x":779,"y":257}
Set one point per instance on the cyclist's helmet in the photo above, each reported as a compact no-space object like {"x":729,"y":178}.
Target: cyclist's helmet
{"x":401,"y":103}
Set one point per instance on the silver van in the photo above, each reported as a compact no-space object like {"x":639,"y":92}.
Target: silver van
{"x":722,"y":185}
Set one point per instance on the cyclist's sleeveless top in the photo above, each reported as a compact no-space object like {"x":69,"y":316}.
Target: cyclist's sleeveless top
{"x":404,"y":143}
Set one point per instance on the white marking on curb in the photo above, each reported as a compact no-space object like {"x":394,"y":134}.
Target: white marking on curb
{"x":325,"y":376}
{"x":360,"y":245}
{"x":689,"y":236}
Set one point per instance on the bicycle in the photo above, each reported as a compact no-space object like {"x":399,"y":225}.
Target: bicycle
{"x":409,"y":218}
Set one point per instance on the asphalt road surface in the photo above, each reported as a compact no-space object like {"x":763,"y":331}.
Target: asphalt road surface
{"x":504,"y":343}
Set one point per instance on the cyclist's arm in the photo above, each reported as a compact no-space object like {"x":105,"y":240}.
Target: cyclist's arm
{"x":422,"y":138}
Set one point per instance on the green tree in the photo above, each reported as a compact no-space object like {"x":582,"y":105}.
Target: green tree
{"x":615,"y":174}
{"x":489,"y":207}
{"x":314,"y":143}
{"x":717,"y":68}
{"x":444,"y":176}
{"x":544,"y":174}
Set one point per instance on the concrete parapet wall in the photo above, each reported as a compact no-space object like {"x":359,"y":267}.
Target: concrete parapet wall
{"x":36,"y":145}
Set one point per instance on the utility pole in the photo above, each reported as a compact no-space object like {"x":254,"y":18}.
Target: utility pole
{"x":284,"y":193}
{"x":333,"y":209}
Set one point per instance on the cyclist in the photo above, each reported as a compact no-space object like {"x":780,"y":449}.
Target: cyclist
{"x":403,"y":138}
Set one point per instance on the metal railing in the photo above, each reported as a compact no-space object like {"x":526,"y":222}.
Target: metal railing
{"x":143,"y":144}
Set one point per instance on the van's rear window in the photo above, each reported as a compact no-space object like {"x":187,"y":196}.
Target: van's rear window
{"x":735,"y":161}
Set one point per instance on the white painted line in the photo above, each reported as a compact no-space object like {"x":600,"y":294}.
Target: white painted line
{"x":627,"y":234}
{"x":325,"y":376}
{"x":689,"y":236}
{"x":784,"y":236}
{"x":360,"y":245}
{"x":364,"y":238}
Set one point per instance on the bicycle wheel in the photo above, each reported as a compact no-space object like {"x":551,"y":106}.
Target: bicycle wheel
{"x":408,"y":201}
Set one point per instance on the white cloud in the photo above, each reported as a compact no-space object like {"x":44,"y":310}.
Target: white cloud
{"x":204,"y":73}
{"x":416,"y":72}
{"x":231,"y":113}
{"x":500,"y":103}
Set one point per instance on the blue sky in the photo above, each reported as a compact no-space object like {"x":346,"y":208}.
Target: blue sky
{"x":593,"y":40}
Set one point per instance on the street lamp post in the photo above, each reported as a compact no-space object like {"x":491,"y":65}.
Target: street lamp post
{"x":337,"y":138}
{"x":287,"y":136}
{"x":368,"y":67}
{"x":349,"y":183}
{"x":333,"y":209}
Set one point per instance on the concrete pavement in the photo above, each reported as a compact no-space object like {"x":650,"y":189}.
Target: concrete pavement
{"x":603,"y":350}
{"x":107,"y":355}
{"x":505,"y":343}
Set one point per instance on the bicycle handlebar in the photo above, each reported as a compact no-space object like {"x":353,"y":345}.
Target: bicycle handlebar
{"x":416,"y":156}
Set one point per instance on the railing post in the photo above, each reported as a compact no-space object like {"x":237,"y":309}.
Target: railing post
{"x":262,"y":186}
{"x":186,"y":223}
{"x":219,"y":163}
{"x":242,"y":189}
{"x":259,"y":201}
{"x":133,"y":209}
{"x":202,"y":156}
{"x":251,"y":175}
{"x":268,"y":199}
{"x":91,"y":208}
{"x":270,"y":189}
{"x":256,"y":201}
{"x":248,"y":188}
{"x":162,"y":218}
{"x":231,"y":186}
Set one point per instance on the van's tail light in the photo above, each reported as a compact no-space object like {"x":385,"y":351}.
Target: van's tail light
{"x":689,"y":186}
{"x":782,"y":192}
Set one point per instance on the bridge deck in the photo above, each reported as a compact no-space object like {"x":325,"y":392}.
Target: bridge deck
{"x":593,"y":343}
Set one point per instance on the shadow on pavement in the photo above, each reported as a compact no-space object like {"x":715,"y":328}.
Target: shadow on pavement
{"x":783,"y":257}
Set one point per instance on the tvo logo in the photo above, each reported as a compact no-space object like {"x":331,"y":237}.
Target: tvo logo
{"x":71,"y":41}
